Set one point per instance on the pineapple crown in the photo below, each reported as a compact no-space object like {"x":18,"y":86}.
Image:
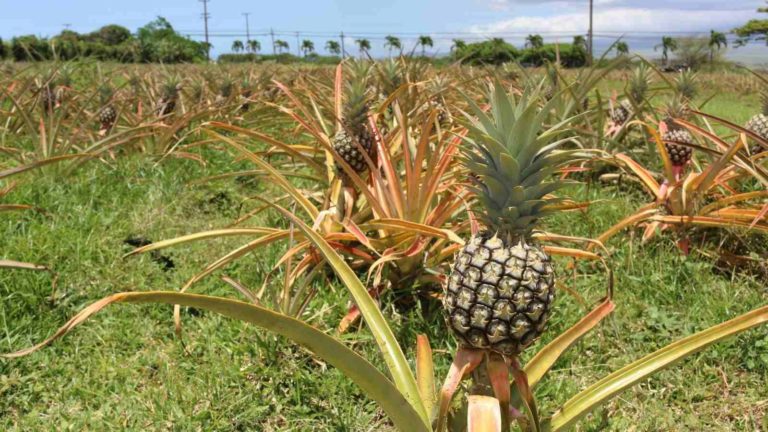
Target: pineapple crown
{"x":513,"y":154}
{"x":685,"y":85}
{"x":390,"y":78}
{"x":357,"y":98}
{"x":639,"y":83}
{"x":553,"y":75}
{"x":676,"y":108}
{"x":225,"y":89}
{"x":438,"y":86}
{"x":105,"y":93}
{"x":170,"y":88}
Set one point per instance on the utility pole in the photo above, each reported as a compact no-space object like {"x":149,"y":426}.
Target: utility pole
{"x":298,"y":45}
{"x":206,"y":15}
{"x":591,"y":14}
{"x":247,"y":28}
{"x":343,"y":53}
{"x":272,"y":33}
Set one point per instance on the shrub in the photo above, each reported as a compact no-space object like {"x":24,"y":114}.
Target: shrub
{"x":495,"y":51}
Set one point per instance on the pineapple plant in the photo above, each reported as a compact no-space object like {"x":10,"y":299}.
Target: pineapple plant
{"x":553,"y":81}
{"x":685,"y":85}
{"x":108,"y":113}
{"x":639,"y":83}
{"x":245,"y":95}
{"x":47,"y":98}
{"x":759,"y":124}
{"x":438,"y":86}
{"x":225,"y":91}
{"x":680,"y":154}
{"x":355,"y":136}
{"x":501,"y":287}
{"x":170,"y":95}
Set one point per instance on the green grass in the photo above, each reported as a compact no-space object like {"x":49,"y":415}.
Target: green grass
{"x":125,"y":369}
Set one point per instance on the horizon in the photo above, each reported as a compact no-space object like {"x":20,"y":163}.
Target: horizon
{"x":640,"y":24}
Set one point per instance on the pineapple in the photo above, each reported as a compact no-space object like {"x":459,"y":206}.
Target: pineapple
{"x":501,"y":287}
{"x":355,"y":136}
{"x":107,"y":114}
{"x":620,"y":113}
{"x":170,"y":95}
{"x":759,"y":125}
{"x":639,"y":83}
{"x":679,"y":154}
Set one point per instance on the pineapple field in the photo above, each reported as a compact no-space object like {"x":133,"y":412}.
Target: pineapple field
{"x":383,"y":245}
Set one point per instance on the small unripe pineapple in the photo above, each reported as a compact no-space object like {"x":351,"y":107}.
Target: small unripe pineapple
{"x":759,"y":125}
{"x":679,"y":154}
{"x":355,"y":135}
{"x":108,"y":113}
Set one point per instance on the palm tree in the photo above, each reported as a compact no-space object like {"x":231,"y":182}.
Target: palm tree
{"x":281,"y":45}
{"x":237,"y":46}
{"x":425,"y":41}
{"x":716,"y":41}
{"x":393,"y":43}
{"x":621,"y":48}
{"x":364,"y":45}
{"x":333,"y":47}
{"x":668,"y":44}
{"x":534,"y":41}
{"x":254,"y":46}
{"x":458,"y":45}
{"x":307,"y":46}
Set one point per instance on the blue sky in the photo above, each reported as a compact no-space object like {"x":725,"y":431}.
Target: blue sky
{"x":643,"y":21}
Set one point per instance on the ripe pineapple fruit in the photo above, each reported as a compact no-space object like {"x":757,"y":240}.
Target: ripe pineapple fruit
{"x":759,"y":125}
{"x":501,"y":287}
{"x":108,"y":113}
{"x":679,"y":154}
{"x":355,"y":134}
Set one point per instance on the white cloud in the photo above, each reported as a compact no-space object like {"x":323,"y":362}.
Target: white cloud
{"x":621,"y":20}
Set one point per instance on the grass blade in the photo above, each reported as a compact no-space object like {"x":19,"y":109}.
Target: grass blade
{"x":358,"y":369}
{"x":610,"y":386}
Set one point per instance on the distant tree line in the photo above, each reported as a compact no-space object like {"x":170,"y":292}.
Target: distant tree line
{"x":535,"y":52}
{"x":156,"y":42}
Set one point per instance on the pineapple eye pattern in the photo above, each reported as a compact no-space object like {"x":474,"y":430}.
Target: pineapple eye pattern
{"x":503,"y":295}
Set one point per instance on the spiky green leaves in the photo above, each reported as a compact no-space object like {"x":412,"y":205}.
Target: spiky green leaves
{"x":513,"y":153}
{"x":639,"y":84}
{"x":357,"y":100}
{"x":685,"y":85}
